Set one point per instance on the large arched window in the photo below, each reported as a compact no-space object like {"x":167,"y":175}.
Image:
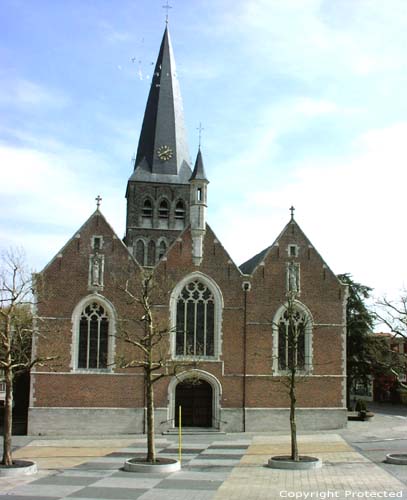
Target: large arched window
{"x":93,"y":337}
{"x":292,"y":339}
{"x":196,"y":315}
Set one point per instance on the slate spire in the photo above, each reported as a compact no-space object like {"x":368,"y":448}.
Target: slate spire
{"x":199,"y":169}
{"x":163,"y":147}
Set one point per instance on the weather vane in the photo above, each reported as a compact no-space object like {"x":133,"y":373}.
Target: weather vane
{"x":167,"y":6}
{"x":98,"y":199}
{"x":200,"y":128}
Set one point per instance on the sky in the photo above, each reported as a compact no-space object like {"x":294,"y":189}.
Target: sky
{"x":302,"y":102}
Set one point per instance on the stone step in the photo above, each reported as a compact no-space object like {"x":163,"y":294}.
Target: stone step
{"x":193,"y":431}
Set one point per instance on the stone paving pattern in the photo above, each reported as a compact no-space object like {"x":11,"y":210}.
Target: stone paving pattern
{"x":211,"y":469}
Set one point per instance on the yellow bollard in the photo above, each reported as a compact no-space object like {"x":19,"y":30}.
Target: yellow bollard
{"x":179,"y":435}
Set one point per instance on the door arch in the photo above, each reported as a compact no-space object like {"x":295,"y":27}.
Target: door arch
{"x":195,"y":398}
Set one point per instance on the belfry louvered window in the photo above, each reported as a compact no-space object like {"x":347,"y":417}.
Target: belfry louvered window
{"x":180,"y":210}
{"x":147,"y":211}
{"x":195,"y":321}
{"x":93,"y":337}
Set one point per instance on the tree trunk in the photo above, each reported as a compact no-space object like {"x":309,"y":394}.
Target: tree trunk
{"x":293,"y":425}
{"x":150,"y":418}
{"x":8,"y":418}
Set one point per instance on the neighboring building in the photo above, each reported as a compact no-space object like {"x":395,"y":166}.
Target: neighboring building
{"x":232,"y":320}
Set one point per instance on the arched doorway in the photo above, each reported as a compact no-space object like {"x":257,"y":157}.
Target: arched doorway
{"x":195,"y":398}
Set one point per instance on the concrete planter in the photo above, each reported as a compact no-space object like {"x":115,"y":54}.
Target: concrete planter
{"x":396,"y":458}
{"x":162,"y":465}
{"x":19,"y":468}
{"x":285,"y":462}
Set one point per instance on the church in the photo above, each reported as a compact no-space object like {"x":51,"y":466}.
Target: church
{"x":227,"y":324}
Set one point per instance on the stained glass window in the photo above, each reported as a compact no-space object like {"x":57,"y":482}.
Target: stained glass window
{"x":93,"y":337}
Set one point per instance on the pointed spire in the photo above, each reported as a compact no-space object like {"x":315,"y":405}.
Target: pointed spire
{"x":199,"y":169}
{"x":163,"y":147}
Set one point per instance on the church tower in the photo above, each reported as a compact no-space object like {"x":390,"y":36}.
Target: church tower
{"x":158,"y":191}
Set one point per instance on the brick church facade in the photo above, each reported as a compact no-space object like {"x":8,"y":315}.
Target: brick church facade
{"x":230,"y":320}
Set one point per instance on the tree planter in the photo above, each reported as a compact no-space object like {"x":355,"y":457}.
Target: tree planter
{"x":285,"y":462}
{"x":19,"y":468}
{"x":396,"y":458}
{"x":161,"y":465}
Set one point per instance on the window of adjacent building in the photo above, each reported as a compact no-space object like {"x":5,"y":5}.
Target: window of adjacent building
{"x":195,"y":321}
{"x":93,"y":337}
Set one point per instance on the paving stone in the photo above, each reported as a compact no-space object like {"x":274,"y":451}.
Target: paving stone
{"x":188,"y":484}
{"x":108,"y":493}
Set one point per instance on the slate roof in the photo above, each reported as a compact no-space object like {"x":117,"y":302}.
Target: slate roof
{"x":199,"y":169}
{"x":250,"y":265}
{"x":163,"y":125}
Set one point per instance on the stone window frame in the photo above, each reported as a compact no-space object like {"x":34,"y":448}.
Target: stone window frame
{"x":218,"y":314}
{"x":308,"y":341}
{"x":76,"y":317}
{"x":200,"y":374}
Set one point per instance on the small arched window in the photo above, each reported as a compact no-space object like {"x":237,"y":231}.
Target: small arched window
{"x":147,"y":210}
{"x":195,"y":321}
{"x":163,"y":211}
{"x":180,"y":210}
{"x":151,"y":253}
{"x":162,"y":248}
{"x":93,"y":337}
{"x":140,"y":253}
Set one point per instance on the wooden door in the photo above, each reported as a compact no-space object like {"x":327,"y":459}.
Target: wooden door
{"x":196,"y":402}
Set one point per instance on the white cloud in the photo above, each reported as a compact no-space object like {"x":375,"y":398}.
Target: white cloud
{"x":25,"y":93}
{"x":352,"y":208}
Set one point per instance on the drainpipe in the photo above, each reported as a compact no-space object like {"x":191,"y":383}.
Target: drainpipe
{"x":246,"y":287}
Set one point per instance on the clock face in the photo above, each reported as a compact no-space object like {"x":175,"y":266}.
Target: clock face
{"x":164,"y":153}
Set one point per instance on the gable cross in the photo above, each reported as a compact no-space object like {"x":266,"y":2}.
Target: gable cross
{"x":98,"y":199}
{"x":292,"y":209}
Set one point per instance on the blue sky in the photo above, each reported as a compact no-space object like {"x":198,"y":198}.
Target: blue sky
{"x":302,"y":102}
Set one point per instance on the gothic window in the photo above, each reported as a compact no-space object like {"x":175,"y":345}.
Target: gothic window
{"x":93,"y":337}
{"x":163,"y":211}
{"x":151,"y":253}
{"x":162,"y":248}
{"x":147,"y":210}
{"x":180,"y":210}
{"x":293,"y":331}
{"x":140,"y":252}
{"x":195,"y":321}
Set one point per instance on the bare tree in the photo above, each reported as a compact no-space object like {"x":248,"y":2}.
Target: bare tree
{"x":16,"y":332}
{"x":393,"y":314}
{"x":150,"y":337}
{"x":291,"y":359}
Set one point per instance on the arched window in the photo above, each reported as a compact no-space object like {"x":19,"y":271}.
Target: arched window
{"x":293,"y":331}
{"x":195,"y":321}
{"x":93,"y":337}
{"x":147,"y":210}
{"x":180,"y":210}
{"x":151,"y":253}
{"x":162,"y":248}
{"x":140,"y":252}
{"x":163,"y":211}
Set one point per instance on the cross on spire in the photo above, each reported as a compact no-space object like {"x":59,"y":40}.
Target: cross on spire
{"x":292,"y":209}
{"x":167,"y":7}
{"x":98,"y":199}
{"x":200,"y":128}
